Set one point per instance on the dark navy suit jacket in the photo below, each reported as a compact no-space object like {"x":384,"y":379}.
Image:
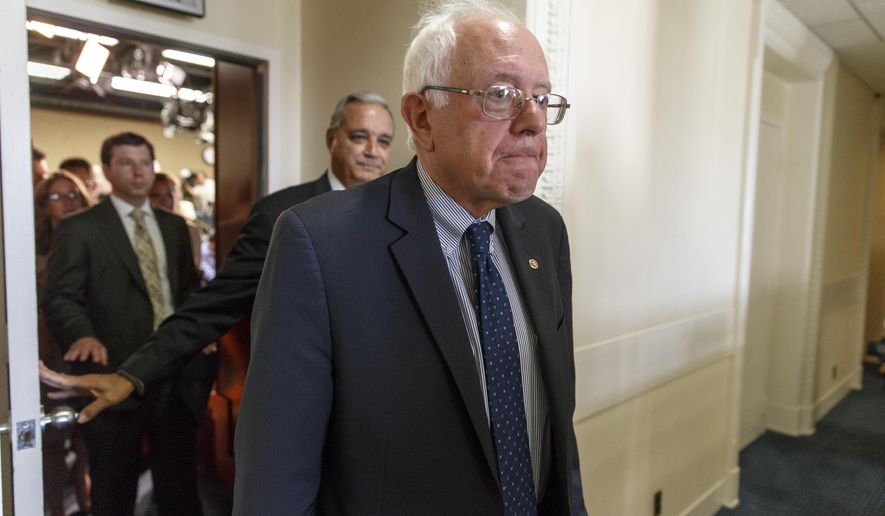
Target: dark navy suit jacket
{"x":362,"y":395}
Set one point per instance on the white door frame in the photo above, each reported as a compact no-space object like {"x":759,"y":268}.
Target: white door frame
{"x":20,"y":337}
{"x":794,"y":53}
{"x":786,"y":44}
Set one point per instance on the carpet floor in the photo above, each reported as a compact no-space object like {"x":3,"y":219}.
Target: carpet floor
{"x":839,"y":471}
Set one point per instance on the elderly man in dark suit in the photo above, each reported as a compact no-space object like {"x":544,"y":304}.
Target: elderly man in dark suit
{"x":418,"y":358}
{"x":114,"y":272}
{"x":358,"y":138}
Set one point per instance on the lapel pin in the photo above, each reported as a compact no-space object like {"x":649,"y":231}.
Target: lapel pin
{"x":533,"y":263}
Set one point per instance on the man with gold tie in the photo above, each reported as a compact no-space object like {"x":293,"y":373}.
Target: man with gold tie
{"x":114,"y":273}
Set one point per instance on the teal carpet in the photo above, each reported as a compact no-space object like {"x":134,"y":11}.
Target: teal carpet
{"x":839,"y":471}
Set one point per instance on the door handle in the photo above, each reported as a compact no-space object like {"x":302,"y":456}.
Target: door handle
{"x":61,"y":418}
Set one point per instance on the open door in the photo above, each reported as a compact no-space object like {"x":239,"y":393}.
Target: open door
{"x":239,"y":144}
{"x":20,"y":441}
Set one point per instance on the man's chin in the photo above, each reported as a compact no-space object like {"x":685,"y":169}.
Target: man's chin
{"x":370,"y":173}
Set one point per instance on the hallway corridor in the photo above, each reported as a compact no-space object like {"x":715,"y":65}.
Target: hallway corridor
{"x":840,"y":470}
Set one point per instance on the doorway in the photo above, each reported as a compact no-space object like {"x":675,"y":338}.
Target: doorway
{"x":238,"y":183}
{"x":783,"y":300}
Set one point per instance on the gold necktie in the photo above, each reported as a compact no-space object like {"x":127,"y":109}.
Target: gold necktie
{"x":147,"y":262}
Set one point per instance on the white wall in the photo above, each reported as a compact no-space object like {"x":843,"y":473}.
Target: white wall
{"x":875,"y":312}
{"x":852,"y":168}
{"x":660,"y":91}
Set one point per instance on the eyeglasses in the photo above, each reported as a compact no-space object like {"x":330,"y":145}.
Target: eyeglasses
{"x":506,"y":103}
{"x":60,"y":196}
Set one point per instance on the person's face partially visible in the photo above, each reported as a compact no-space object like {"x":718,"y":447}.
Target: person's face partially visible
{"x":62,"y":199}
{"x":85,"y":175}
{"x":359,"y":148}
{"x":131,"y":173}
{"x":482,"y":162}
{"x":163,"y":195}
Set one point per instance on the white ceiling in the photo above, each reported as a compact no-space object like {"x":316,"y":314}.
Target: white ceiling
{"x":855,"y":29}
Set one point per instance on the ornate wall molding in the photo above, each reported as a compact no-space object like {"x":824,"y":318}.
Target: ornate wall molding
{"x":549,"y":20}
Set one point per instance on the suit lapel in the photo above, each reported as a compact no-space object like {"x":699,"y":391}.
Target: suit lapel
{"x":115,"y":233}
{"x":421,"y":261}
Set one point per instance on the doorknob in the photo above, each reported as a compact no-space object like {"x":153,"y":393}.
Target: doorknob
{"x":61,"y":418}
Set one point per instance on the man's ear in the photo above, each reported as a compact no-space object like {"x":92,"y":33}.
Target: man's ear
{"x":105,"y":168}
{"x":414,"y":108}
{"x":330,"y":135}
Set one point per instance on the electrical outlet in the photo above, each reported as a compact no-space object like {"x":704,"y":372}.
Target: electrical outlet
{"x":657,"y":505}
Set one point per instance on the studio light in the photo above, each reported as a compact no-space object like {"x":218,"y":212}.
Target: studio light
{"x":187,"y":57}
{"x":143,"y":87}
{"x":92,"y":59}
{"x":50,"y":31}
{"x":47,"y":71}
{"x":168,"y":73}
{"x":194,"y":95}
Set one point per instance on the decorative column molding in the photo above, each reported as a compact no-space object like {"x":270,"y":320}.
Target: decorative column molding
{"x":549,"y":20}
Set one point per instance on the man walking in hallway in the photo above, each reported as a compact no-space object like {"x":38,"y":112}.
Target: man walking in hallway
{"x":431,"y":371}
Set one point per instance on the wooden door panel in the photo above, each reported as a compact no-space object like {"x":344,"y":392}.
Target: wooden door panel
{"x":238,"y":179}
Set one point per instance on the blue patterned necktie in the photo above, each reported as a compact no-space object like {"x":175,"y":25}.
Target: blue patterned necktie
{"x":500,"y":357}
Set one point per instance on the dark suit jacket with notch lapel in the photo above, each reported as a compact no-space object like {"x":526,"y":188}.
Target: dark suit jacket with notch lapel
{"x":95,"y":288}
{"x":362,"y":396}
{"x":212,"y":310}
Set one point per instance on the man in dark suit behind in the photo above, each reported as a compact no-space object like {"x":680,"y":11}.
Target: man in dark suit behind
{"x":418,"y":358}
{"x":114,"y":272}
{"x":358,"y":138}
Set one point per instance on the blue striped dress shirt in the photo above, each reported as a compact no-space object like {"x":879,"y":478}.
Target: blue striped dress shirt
{"x":451,"y":221}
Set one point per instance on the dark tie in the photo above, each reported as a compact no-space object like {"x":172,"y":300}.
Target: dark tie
{"x":147,"y":262}
{"x":500,"y":357}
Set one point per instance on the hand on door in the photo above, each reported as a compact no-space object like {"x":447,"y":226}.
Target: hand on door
{"x":108,"y":389}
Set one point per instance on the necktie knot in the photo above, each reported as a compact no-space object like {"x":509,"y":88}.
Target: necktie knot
{"x":137,"y":215}
{"x":478,"y":235}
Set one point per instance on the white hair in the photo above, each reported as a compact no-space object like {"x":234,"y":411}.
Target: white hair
{"x":428,"y":58}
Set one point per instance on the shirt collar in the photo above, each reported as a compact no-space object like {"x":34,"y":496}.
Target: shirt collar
{"x":450,"y":217}
{"x":334,"y":182}
{"x":124,"y":208}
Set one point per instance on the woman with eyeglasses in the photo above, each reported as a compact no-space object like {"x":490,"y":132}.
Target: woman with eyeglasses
{"x":56,"y":197}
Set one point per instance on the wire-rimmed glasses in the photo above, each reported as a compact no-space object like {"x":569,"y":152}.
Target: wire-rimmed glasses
{"x":506,"y":102}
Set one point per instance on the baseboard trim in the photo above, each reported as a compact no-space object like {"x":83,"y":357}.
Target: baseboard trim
{"x":708,"y":503}
{"x":731,"y":489}
{"x":793,"y":420}
{"x":832,"y":397}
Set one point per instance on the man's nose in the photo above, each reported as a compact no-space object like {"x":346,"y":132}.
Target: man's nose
{"x":532,"y":119}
